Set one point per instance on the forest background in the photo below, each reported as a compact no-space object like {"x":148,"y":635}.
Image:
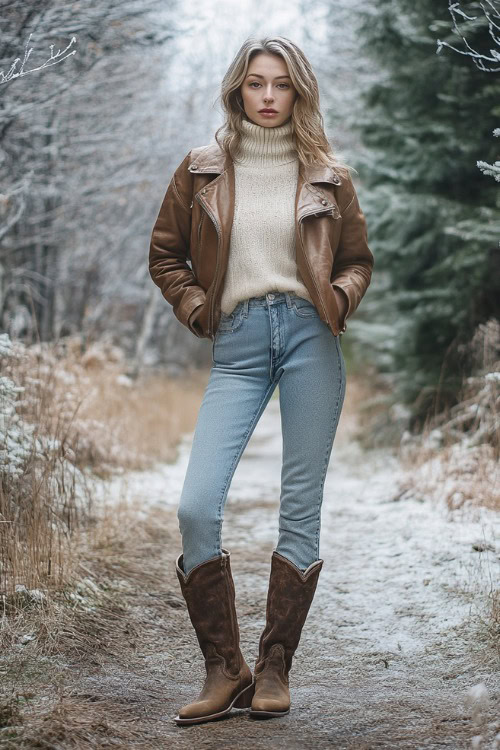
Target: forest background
{"x":98,"y":106}
{"x":99,"y":103}
{"x":89,"y":141}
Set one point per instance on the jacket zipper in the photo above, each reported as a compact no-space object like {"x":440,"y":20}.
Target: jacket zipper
{"x":214,"y":283}
{"x":199,"y":234}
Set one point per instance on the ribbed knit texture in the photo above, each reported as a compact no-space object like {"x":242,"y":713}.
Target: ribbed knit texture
{"x":262,"y":254}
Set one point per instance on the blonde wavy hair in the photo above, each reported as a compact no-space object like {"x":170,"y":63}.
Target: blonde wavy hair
{"x":311,"y":143}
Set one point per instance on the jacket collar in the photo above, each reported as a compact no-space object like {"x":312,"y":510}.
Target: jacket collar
{"x":212,"y":159}
{"x":214,"y":196}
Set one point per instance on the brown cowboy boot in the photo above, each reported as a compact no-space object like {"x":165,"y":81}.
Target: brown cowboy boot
{"x":289,"y":598}
{"x":209,"y":593}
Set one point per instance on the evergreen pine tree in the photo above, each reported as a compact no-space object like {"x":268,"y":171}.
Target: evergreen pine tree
{"x":433,"y":216}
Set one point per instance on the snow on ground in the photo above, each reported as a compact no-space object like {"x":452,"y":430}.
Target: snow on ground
{"x":394,"y":647}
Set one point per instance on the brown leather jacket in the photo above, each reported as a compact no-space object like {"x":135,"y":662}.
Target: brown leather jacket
{"x":194,"y":224}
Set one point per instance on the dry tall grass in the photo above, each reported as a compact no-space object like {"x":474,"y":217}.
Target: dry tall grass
{"x":455,"y":459}
{"x":93,"y":624}
{"x":68,"y":416}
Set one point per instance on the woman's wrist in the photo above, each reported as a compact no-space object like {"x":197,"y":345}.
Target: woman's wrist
{"x":191,"y":321}
{"x":342,"y":301}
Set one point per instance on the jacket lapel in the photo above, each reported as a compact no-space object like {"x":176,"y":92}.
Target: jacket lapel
{"x":217,"y":197}
{"x":309,"y":198}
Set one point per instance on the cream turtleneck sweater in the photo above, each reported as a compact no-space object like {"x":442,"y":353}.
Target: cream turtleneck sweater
{"x":262,"y":246}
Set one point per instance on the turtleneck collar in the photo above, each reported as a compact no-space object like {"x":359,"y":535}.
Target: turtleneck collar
{"x":266,"y":147}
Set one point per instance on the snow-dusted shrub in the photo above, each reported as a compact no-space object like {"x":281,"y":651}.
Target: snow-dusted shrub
{"x":41,"y":490}
{"x":16,"y":437}
{"x":455,"y":459}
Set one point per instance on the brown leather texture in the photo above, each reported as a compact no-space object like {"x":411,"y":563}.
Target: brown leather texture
{"x":209,"y":593}
{"x":289,"y":598}
{"x":190,"y":241}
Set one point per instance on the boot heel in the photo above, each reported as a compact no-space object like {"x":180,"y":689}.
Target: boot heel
{"x":244,"y":700}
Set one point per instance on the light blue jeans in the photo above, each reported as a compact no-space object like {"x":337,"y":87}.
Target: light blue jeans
{"x":276,"y":338}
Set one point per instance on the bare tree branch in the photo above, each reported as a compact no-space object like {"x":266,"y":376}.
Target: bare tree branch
{"x":492,"y":14}
{"x":52,"y":60}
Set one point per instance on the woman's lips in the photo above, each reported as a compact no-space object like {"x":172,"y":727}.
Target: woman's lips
{"x":268,"y":114}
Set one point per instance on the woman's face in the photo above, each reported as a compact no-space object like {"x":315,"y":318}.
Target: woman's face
{"x":268,"y":86}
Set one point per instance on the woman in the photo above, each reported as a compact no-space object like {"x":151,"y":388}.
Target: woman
{"x":271,"y":224}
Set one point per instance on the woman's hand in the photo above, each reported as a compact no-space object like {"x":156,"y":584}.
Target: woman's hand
{"x":342,"y":303}
{"x":192,"y":324}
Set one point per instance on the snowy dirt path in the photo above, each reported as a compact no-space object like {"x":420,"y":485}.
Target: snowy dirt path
{"x":393,"y":642}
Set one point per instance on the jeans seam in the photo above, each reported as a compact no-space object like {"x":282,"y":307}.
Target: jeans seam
{"x":329,"y":448}
{"x":240,"y":450}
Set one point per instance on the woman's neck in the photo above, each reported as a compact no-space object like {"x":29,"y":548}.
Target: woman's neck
{"x":266,"y":147}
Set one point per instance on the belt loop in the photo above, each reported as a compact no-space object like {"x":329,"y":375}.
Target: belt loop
{"x":288,"y":300}
{"x":245,"y":308}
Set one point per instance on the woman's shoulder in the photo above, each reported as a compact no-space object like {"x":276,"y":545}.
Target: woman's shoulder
{"x":199,"y":160}
{"x":208,"y":158}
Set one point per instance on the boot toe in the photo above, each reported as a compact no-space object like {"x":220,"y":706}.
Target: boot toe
{"x":269,"y":705}
{"x":197,"y":710}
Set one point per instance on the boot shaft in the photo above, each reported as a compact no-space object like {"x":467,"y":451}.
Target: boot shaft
{"x":208,"y":590}
{"x":289,"y":598}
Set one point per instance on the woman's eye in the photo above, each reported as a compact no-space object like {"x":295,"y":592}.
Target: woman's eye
{"x":279,"y":84}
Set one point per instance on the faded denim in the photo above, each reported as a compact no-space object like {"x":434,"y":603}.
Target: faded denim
{"x":276,"y":338}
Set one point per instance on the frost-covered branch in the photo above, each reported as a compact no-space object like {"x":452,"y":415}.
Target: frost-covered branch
{"x":52,"y":60}
{"x":492,"y":14}
{"x":90,"y":140}
{"x":491,"y":10}
{"x":491,"y":169}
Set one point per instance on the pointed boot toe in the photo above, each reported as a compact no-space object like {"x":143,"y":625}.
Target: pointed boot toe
{"x":269,"y":707}
{"x":195,"y":710}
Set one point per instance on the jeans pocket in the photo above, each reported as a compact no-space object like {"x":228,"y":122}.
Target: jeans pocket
{"x":303,"y":308}
{"x":230,"y":322}
{"x":226,"y":322}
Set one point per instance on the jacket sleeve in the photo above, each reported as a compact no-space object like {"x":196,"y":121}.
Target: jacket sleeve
{"x":354,"y":261}
{"x":169,"y":250}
